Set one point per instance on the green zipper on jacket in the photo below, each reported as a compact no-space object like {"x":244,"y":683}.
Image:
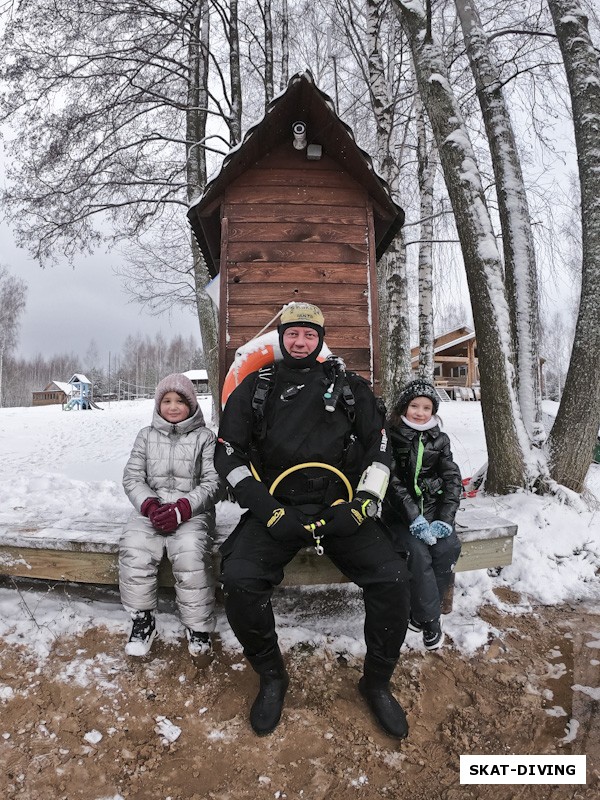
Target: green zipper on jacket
{"x":420,"y":451}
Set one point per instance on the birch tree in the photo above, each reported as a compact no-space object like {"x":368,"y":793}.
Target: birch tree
{"x":511,"y":462}
{"x":196,"y":120}
{"x":377,"y":71}
{"x":517,"y":237}
{"x":13,"y":294}
{"x":393,"y":300}
{"x":285,"y":47}
{"x":576,"y":427}
{"x":263,"y":28}
{"x":426,"y":176}
{"x":235,"y":75}
{"x":269,"y":66}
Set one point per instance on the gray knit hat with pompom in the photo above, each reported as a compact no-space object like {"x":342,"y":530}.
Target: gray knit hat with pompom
{"x":176,"y":383}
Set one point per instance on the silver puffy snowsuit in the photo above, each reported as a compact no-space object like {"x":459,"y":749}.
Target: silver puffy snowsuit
{"x":168,"y":462}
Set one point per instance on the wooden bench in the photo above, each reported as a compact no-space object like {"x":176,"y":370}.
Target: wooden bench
{"x":87,"y":551}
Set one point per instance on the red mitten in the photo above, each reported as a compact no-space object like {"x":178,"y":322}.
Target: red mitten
{"x":149,"y":505}
{"x":170,"y":516}
{"x":164,"y":519}
{"x":185,"y":509}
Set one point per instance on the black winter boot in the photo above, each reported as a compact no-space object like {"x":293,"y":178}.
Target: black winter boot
{"x":386,"y":709}
{"x":266,"y":709}
{"x":143,"y":633}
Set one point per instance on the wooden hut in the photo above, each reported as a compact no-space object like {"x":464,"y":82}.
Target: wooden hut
{"x":199,"y":377}
{"x":455,"y":359}
{"x":297,"y":212}
{"x":54,"y":393}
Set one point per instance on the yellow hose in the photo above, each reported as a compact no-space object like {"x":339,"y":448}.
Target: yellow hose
{"x":290,"y":470}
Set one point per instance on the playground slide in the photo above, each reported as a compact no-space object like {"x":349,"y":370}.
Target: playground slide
{"x":76,"y":403}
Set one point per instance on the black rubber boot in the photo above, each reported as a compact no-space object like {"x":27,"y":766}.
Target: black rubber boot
{"x":266,"y":709}
{"x":387,"y":710}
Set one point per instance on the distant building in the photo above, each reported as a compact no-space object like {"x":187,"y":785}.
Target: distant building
{"x":199,"y":377}
{"x":55,"y":393}
{"x":75,"y":393}
{"x":456,"y":363}
{"x":456,"y":366}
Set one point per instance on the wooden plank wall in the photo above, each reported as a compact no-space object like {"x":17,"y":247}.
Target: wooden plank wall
{"x":297,"y":230}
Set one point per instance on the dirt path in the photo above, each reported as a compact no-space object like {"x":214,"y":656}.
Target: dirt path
{"x":327,"y":746}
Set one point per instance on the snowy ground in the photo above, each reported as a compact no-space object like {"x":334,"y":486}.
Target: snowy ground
{"x":68,"y":465}
{"x":82,"y":721}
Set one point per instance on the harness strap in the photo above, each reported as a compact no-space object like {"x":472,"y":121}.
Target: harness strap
{"x":336,"y":368}
{"x":262,"y":387}
{"x":264,"y":383}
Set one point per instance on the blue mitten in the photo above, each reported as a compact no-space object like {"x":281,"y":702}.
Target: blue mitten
{"x":420,"y":530}
{"x":440,"y":529}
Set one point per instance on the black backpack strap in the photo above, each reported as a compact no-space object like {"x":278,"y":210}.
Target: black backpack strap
{"x":348,"y":401}
{"x":263,"y":384}
{"x":335,"y":368}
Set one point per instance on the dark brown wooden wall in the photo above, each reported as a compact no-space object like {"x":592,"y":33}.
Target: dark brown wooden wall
{"x":298,"y":230}
{"x":48,"y":398}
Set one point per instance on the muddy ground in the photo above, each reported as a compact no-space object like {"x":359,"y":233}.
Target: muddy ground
{"x":89,"y":723}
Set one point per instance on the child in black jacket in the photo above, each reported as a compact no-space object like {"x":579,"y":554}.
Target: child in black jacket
{"x":421,"y":503}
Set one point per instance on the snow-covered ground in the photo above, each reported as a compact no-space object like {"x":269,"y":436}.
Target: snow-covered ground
{"x":68,"y":465}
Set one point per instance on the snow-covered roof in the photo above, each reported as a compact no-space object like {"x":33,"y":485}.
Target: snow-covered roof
{"x":452,"y":343}
{"x":454,"y":328}
{"x":67,"y":388}
{"x":79,"y":377}
{"x":196,"y":374}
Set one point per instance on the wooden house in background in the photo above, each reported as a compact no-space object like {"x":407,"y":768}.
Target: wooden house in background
{"x":297,"y":212}
{"x":456,"y":366}
{"x":54,"y":393}
{"x":199,"y":377}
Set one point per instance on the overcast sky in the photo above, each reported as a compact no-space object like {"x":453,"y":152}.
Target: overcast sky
{"x":68,"y":307}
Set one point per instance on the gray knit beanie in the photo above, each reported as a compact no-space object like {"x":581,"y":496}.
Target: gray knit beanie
{"x":176,"y":383}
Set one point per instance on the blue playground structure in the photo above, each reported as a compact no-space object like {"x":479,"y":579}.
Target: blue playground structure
{"x":81,"y":394}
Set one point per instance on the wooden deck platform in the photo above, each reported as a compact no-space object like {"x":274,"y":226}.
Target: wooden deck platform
{"x":86,"y":551}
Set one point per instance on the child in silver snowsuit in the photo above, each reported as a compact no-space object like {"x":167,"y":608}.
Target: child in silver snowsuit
{"x":173,"y":486}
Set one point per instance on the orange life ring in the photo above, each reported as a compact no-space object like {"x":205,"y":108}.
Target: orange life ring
{"x":253,"y":356}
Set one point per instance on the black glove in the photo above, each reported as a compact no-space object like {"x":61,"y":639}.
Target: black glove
{"x":254,"y":496}
{"x":344,"y":519}
{"x":284,"y":524}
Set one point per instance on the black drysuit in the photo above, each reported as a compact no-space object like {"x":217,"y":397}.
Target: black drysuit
{"x":297,"y":429}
